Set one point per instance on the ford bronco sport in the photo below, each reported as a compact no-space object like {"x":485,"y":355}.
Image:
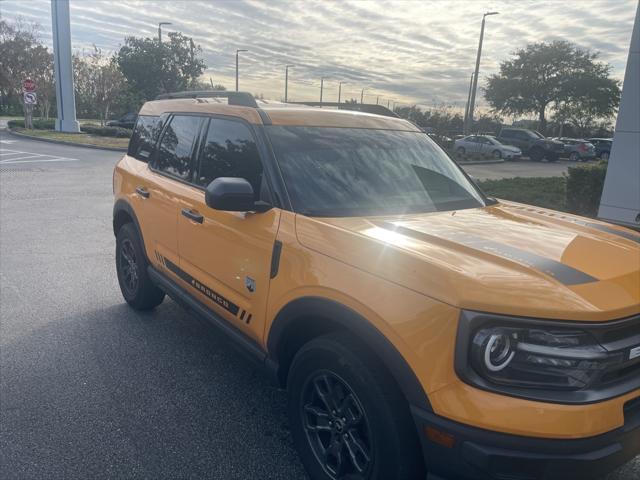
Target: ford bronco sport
{"x":421,"y":329}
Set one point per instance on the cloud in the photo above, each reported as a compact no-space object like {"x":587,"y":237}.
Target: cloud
{"x":405,"y":51}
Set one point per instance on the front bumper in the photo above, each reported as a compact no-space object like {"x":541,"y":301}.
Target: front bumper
{"x":458,"y":451}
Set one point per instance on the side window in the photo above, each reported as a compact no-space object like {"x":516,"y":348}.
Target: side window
{"x":144,"y":137}
{"x":229,"y":151}
{"x":175,"y":147}
{"x":507,"y":134}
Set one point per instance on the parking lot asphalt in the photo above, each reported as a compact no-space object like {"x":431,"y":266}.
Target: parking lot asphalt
{"x":88,"y":387}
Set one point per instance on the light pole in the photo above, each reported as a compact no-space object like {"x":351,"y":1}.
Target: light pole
{"x":321,"y":87}
{"x":286,"y":82}
{"x":466,"y":108}
{"x":378,"y":100}
{"x":340,"y":90}
{"x":160,"y":24}
{"x":237,"y":52}
{"x":362,"y":96}
{"x":475,"y":78}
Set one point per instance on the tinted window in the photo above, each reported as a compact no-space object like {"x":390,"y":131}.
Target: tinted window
{"x":174,"y":150}
{"x":507,"y":133}
{"x":229,"y":151}
{"x":144,"y":137}
{"x":353,"y":172}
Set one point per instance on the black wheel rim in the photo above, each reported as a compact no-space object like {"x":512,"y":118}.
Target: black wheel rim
{"x":336,"y":426}
{"x":128,"y":266}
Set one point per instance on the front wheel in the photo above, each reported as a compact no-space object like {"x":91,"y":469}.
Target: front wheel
{"x":536,"y":154}
{"x":348,"y":418}
{"x":135,"y":284}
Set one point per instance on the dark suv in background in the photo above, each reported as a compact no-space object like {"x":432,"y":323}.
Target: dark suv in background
{"x":533,"y":144}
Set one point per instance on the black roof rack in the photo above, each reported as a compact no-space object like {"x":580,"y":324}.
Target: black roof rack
{"x":357,"y":107}
{"x":243,"y":99}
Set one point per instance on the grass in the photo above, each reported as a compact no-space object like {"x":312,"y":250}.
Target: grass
{"x":78,"y":138}
{"x":546,"y":192}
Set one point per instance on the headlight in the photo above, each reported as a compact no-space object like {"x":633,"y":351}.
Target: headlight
{"x":539,"y":358}
{"x":567,"y":362}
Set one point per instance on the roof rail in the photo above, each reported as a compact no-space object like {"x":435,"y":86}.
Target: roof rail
{"x":357,"y":107}
{"x":243,"y":99}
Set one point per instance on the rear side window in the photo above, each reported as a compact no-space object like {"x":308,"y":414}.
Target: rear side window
{"x":144,"y":137}
{"x":506,"y":133}
{"x":176,"y":146}
{"x":229,"y":151}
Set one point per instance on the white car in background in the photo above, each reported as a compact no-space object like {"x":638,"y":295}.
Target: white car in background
{"x":485,"y":146}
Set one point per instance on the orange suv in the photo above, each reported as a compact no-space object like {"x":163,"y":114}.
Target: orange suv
{"x":421,"y":329}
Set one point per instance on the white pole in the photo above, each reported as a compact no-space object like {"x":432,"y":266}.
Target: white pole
{"x":65,"y":97}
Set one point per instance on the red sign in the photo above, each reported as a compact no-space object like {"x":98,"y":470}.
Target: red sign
{"x":28,"y":85}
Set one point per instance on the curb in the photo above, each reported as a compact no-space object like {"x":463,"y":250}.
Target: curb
{"x":64,"y":142}
{"x":479,"y":162}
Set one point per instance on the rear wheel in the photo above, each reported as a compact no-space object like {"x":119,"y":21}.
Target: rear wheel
{"x":497,"y":154}
{"x":536,"y":154}
{"x":131,"y":264}
{"x":604,"y":156}
{"x":348,"y":418}
{"x":461,"y":152}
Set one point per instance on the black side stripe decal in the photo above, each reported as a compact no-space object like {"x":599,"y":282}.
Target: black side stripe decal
{"x":212,"y":294}
{"x":563,"y":273}
{"x":607,"y":229}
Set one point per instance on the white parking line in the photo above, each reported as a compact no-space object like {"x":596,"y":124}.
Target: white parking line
{"x":30,"y":157}
{"x":36,"y":161}
{"x":21,"y":158}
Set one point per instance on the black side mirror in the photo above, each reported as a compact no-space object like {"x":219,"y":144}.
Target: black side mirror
{"x":233,"y":194}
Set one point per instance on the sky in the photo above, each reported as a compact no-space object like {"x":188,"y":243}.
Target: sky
{"x":409,"y":52}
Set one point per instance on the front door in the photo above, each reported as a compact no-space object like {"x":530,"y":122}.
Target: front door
{"x":226,"y":256}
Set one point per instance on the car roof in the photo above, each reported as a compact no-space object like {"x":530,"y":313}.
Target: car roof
{"x":278,"y":113}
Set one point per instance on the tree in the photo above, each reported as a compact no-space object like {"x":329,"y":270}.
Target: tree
{"x":552,"y":76}
{"x":24,"y":56}
{"x":151,"y":68}
{"x":99,"y":83}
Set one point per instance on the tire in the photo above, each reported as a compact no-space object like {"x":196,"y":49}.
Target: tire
{"x":497,"y":154}
{"x":461,"y":152}
{"x":131,"y":264}
{"x":604,"y":156}
{"x":536,"y":154}
{"x":574,"y":157}
{"x":336,"y":369}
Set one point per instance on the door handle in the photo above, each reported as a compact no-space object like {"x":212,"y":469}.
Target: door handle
{"x":191,"y":215}
{"x":143,"y":192}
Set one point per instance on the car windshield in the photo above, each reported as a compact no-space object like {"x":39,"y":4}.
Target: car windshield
{"x":354,"y":172}
{"x":537,"y":134}
{"x":493,"y":140}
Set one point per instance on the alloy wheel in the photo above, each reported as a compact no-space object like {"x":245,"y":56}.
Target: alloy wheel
{"x":128,"y":266}
{"x":336,"y":426}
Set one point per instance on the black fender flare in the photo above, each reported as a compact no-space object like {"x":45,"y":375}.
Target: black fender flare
{"x":353,"y":322}
{"x":121,"y":206}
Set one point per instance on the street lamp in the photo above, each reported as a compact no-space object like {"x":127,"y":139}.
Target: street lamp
{"x":340,"y":90}
{"x":237,"y":52}
{"x":321,"y":87}
{"x":475,"y":78}
{"x":160,"y":24}
{"x":362,"y":96}
{"x":286,"y":82}
{"x":466,"y":108}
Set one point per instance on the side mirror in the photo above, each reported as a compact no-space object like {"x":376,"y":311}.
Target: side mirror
{"x":233,"y":194}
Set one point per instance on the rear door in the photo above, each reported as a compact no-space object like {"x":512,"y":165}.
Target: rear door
{"x":226,"y":256}
{"x":160,"y":183}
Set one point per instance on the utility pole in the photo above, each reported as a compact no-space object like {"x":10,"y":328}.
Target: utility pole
{"x":466,"y":108}
{"x":160,"y":24}
{"x":321,"y":87}
{"x":475,"y":78}
{"x":286,"y":82}
{"x":340,"y":90}
{"x":362,"y":96}
{"x":378,"y":100}
{"x":65,"y":97}
{"x":237,"y":52}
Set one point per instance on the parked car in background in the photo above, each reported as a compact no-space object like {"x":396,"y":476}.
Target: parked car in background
{"x":577,"y":150}
{"x":486,"y":146}
{"x":603,"y":147}
{"x":128,"y":120}
{"x":442,"y":140}
{"x":533,"y":144}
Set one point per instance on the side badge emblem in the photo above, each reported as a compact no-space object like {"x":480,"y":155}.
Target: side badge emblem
{"x":250,"y":283}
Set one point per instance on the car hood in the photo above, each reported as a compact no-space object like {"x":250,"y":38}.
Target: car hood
{"x":507,"y":258}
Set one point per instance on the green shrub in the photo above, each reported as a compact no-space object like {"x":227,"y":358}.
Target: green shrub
{"x":38,"y":124}
{"x":106,"y":131}
{"x":584,"y":188}
{"x":546,"y":192}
